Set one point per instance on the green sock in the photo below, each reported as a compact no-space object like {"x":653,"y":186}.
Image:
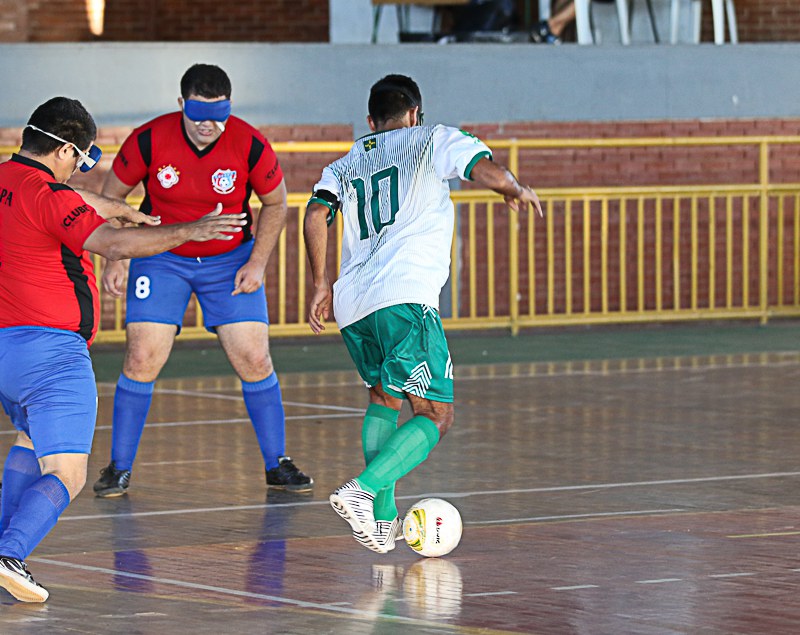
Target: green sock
{"x":408,"y":446}
{"x":379,"y":424}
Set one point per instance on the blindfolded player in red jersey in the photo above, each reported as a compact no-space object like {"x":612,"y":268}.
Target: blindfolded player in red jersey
{"x":196,"y":157}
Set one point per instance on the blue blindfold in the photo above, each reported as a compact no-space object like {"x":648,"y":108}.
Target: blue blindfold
{"x":207,"y":110}
{"x":94,"y":154}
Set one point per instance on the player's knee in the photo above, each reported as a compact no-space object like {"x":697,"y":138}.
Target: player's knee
{"x":70,"y":469}
{"x":445,"y":420}
{"x":142,"y":364}
{"x":253,"y":365}
{"x":73,"y":477}
{"x":78,"y":482}
{"x":23,"y":440}
{"x":442,"y":415}
{"x":264,"y":363}
{"x":378,"y":396}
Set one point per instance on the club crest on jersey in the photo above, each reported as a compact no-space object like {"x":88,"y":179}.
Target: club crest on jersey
{"x":223,"y":181}
{"x":168,"y":176}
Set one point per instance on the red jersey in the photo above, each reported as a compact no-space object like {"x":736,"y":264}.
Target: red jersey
{"x":46,"y":278}
{"x":183,"y":183}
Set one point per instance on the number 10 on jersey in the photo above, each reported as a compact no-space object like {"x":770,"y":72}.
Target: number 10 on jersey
{"x":391,"y":174}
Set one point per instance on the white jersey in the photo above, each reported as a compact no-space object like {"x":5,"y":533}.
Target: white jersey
{"x":398,"y":216}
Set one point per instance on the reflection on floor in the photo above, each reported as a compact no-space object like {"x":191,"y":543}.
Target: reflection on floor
{"x":629,"y":496}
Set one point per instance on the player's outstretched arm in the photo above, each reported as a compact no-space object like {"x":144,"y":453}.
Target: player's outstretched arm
{"x":137,"y":242}
{"x":501,"y":180}
{"x":315,"y":234}
{"x":117,"y":211}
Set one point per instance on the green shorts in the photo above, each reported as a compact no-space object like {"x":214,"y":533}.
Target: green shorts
{"x":403,"y":348}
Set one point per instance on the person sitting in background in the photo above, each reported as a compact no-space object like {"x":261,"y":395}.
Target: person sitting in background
{"x":549,"y":31}
{"x":482,"y":16}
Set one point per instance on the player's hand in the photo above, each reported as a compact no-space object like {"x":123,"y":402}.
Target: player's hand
{"x":114,"y":278}
{"x":520,"y":202}
{"x":216,"y":225}
{"x":320,"y":307}
{"x":134,"y":218}
{"x":249,"y":278}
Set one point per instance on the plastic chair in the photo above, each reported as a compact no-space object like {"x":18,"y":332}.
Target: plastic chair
{"x":720,"y":10}
{"x":583,"y":21}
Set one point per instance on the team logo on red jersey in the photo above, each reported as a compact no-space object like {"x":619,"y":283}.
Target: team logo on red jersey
{"x":168,"y":176}
{"x":223,"y":181}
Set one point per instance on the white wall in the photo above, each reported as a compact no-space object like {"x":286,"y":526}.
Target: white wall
{"x":125,"y":83}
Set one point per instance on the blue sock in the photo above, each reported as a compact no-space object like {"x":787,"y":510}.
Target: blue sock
{"x":265,"y":407}
{"x":21,"y":470}
{"x":131,"y":405}
{"x":39,"y":508}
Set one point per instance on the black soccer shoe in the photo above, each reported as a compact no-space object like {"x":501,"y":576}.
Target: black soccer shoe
{"x":15,"y":578}
{"x":112,"y":482}
{"x":286,"y":476}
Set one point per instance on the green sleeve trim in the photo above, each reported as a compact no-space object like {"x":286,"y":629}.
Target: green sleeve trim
{"x":475,"y":159}
{"x":321,"y":201}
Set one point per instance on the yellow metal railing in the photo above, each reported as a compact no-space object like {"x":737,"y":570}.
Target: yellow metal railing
{"x":601,"y":254}
{"x":668,"y":276}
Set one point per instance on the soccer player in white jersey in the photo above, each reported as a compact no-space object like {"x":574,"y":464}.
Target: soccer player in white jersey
{"x":398,"y":227}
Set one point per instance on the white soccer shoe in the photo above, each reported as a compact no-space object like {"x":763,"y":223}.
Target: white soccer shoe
{"x":15,"y":579}
{"x":387,"y":531}
{"x":354,"y":504}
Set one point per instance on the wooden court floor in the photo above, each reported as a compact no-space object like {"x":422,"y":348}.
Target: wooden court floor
{"x":651,"y":496}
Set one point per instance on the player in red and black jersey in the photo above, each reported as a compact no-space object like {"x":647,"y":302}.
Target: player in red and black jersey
{"x":188,"y":160}
{"x":48,"y":318}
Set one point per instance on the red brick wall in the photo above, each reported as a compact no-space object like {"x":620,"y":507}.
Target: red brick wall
{"x":13,"y":21}
{"x":765,"y":20}
{"x":276,"y":20}
{"x":646,"y":166}
{"x":211,"y":20}
{"x":167,"y":20}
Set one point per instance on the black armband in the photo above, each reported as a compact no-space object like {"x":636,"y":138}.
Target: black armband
{"x":329,"y":200}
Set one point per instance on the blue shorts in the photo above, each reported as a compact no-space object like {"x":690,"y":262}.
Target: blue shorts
{"x":47,"y":387}
{"x":159,"y":288}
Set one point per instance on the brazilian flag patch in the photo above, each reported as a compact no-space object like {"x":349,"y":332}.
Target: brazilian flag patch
{"x":369,"y":144}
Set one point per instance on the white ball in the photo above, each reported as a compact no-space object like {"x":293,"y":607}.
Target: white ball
{"x":432,"y":527}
